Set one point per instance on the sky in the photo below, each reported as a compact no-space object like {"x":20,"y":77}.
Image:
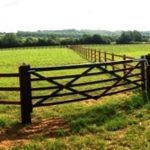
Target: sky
{"x":33,"y":15}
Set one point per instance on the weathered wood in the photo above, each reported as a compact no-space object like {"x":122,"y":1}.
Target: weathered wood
{"x":124,"y":64}
{"x":78,"y":66}
{"x":143,"y":78}
{"x":9,"y":75}
{"x":59,"y":102}
{"x":143,"y":85}
{"x":147,"y":57}
{"x":43,"y":88}
{"x":121,"y":91}
{"x":93,"y":82}
{"x":94,"y":55}
{"x":105,"y":59}
{"x":91,"y":90}
{"x":91,"y":55}
{"x":3,"y":102}
{"x":25,"y":94}
{"x":113,"y":59}
{"x":99,"y":55}
{"x":79,"y":75}
{"x":10,"y":89}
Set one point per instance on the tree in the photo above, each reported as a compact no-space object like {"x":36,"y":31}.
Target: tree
{"x":125,"y":38}
{"x":137,"y":36}
{"x":130,"y":37}
{"x":9,"y":40}
{"x":97,"y":39}
{"x":30,"y":42}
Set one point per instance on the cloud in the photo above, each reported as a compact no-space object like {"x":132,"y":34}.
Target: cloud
{"x":80,"y":14}
{"x":8,"y":3}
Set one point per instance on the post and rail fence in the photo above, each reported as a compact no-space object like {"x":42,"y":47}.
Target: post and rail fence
{"x":68,"y":83}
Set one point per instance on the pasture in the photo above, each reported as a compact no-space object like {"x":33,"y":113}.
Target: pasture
{"x":116,"y":122}
{"x":134,"y":50}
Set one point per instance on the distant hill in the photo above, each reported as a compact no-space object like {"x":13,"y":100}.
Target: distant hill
{"x":102,"y":32}
{"x":71,"y":33}
{"x":146,"y":33}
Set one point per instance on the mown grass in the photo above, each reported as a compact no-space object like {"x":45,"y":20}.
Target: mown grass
{"x":122,"y":123}
{"x":11,"y":59}
{"x":117,"y":122}
{"x":134,"y":50}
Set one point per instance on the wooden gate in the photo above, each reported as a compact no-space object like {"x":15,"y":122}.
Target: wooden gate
{"x":72,"y":83}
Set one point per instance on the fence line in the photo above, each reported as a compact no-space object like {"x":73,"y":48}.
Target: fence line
{"x":114,"y":83}
{"x":120,"y":73}
{"x":94,"y":55}
{"x":8,"y":89}
{"x":31,"y":47}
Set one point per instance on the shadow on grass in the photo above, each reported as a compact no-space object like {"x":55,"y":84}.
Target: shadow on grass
{"x":110,"y":116}
{"x":48,"y":128}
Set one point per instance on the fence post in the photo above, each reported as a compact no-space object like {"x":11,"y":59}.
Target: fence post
{"x":91,"y":55}
{"x":94,"y":55}
{"x":105,"y":59}
{"x":143,"y":83}
{"x":83,"y":52}
{"x":124,"y":64}
{"x":105,"y":56}
{"x":99,"y":55}
{"x":113,"y":59}
{"x":25,"y":94}
{"x":148,"y":75}
{"x":86,"y":53}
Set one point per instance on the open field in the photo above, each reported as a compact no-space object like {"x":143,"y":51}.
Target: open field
{"x":11,"y":59}
{"x":117,"y":122}
{"x":134,"y":50}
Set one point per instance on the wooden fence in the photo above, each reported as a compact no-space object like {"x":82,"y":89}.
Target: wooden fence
{"x":79,"y":82}
{"x":9,"y":89}
{"x":94,"y":55}
{"x":71,"y":83}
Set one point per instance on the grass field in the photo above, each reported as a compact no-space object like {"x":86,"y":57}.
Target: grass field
{"x":134,"y":50}
{"x":120,"y":122}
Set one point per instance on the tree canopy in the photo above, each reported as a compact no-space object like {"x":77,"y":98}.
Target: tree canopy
{"x":129,"y":37}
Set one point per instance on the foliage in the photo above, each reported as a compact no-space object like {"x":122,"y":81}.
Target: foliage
{"x":9,"y":40}
{"x":130,"y":37}
{"x":69,"y":37}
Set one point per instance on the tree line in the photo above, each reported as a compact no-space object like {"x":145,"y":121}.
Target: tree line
{"x":14,"y":40}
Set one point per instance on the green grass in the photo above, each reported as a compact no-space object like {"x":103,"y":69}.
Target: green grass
{"x":134,"y":50}
{"x":122,"y":123}
{"x":11,"y":59}
{"x":119,"y":122}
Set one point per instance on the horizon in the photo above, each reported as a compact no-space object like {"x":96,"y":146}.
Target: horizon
{"x":33,"y":15}
{"x":80,"y":30}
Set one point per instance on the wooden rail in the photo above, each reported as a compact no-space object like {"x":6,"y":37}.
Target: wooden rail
{"x":94,"y":55}
{"x":9,"y":89}
{"x":101,"y":56}
{"x":76,"y":86}
{"x":103,"y":76}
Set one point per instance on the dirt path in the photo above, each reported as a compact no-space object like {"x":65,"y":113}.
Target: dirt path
{"x":18,"y":134}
